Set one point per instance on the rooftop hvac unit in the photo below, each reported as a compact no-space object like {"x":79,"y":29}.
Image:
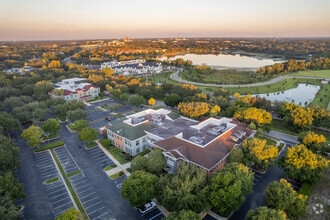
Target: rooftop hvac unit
{"x":234,"y":138}
{"x":196,"y":140}
{"x":243,"y":133}
{"x":238,"y":135}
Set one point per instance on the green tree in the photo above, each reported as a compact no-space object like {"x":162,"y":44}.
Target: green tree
{"x":78,"y":125}
{"x":8,"y":123}
{"x":281,"y":196}
{"x":156,"y":161}
{"x":183,"y":215}
{"x":139,"y":188}
{"x":186,"y":189}
{"x":70,"y":214}
{"x":136,"y":100}
{"x":88,"y":134}
{"x":11,"y":186}
{"x":78,"y":114}
{"x":9,"y":152}
{"x":33,"y":134}
{"x":51,"y":126}
{"x":229,"y":188}
{"x":236,"y":155}
{"x":264,"y":213}
{"x":139,"y":163}
{"x":7,"y":208}
{"x":123,"y":97}
{"x":172,"y":100}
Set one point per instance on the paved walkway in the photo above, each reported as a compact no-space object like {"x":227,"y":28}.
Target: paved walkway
{"x":175,"y":77}
{"x":120,"y":167}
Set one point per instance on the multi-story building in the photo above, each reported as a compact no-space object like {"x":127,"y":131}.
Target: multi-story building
{"x":204,"y":143}
{"x":74,"y":88}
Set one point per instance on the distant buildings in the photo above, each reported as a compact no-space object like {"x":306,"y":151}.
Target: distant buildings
{"x":205,"y":144}
{"x":19,"y":70}
{"x":133,"y":67}
{"x":74,"y":88}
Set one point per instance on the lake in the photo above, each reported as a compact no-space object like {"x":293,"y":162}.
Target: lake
{"x":226,"y":60}
{"x":301,"y":94}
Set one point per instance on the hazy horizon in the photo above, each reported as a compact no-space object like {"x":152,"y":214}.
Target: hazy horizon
{"x":101,"y":19}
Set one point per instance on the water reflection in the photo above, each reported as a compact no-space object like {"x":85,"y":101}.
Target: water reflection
{"x":303,"y":93}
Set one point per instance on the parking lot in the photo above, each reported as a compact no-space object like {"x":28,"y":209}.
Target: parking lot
{"x":119,"y":181}
{"x":59,"y":197}
{"x":57,"y":193}
{"x":46,"y":166}
{"x":100,"y":157}
{"x":67,"y":162}
{"x":89,"y":199}
{"x":97,"y":115}
{"x":155,"y":214}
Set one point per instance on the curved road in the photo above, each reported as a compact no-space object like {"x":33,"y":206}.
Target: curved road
{"x":175,"y":77}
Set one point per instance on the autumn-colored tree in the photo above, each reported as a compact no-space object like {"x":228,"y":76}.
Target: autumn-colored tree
{"x":258,"y":116}
{"x":58,"y":92}
{"x":152,"y":101}
{"x":109,"y":89}
{"x":214,"y":110}
{"x":194,"y":109}
{"x":302,"y":164}
{"x":312,"y":141}
{"x":281,"y":196}
{"x":108,"y":72}
{"x":54,"y":64}
{"x":300,"y":118}
{"x":321,"y":116}
{"x":260,"y":154}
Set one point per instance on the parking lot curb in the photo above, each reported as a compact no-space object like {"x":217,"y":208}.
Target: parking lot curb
{"x":69,"y":128}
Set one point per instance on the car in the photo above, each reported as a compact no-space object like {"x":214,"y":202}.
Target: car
{"x":108,"y":118}
{"x":147,"y":207}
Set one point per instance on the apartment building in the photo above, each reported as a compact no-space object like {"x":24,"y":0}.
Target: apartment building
{"x":204,"y":143}
{"x":74,"y":88}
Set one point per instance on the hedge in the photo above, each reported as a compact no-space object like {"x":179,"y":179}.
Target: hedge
{"x":49,"y":146}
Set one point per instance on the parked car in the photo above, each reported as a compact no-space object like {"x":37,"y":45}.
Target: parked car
{"x":147,"y":207}
{"x":108,"y":118}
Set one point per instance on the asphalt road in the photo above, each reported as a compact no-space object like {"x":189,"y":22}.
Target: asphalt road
{"x":175,"y":77}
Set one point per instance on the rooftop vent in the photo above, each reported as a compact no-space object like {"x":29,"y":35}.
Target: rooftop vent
{"x":216,"y":130}
{"x":196,"y":140}
{"x":242,"y":132}
{"x":234,"y":138}
{"x":137,"y":120}
{"x":156,"y":117}
{"x":238,"y":135}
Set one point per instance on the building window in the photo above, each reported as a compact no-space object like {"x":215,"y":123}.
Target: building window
{"x":137,"y":150}
{"x":137,"y":142}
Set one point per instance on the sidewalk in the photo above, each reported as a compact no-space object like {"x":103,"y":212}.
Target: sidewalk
{"x":120,"y":167}
{"x":283,"y":136}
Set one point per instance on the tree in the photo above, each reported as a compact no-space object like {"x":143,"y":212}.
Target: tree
{"x":123,"y":97}
{"x":9,"y":161}
{"x":139,"y":163}
{"x":136,"y":100}
{"x":312,"y":141}
{"x":194,"y":109}
{"x":116,"y":93}
{"x":156,"y":161}
{"x":108,"y":72}
{"x":88,"y":134}
{"x":229,"y":187}
{"x":172,"y":100}
{"x":186,"y":189}
{"x":51,"y":126}
{"x":8,"y":123}
{"x":236,"y":155}
{"x":78,"y":125}
{"x":7,"y":208}
{"x":256,"y":151}
{"x":75,"y":115}
{"x":70,"y":214}
{"x":259,"y":116}
{"x":183,"y":215}
{"x":152,"y":101}
{"x":139,"y":188}
{"x":264,"y":213}
{"x":33,"y":134}
{"x":214,"y":111}
{"x":11,"y":186}
{"x":281,"y":196}
{"x":303,"y":165}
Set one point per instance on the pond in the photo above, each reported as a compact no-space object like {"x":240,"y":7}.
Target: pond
{"x":301,"y":94}
{"x":227,"y":60}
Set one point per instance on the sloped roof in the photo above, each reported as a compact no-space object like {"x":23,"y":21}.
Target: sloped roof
{"x":130,"y":132}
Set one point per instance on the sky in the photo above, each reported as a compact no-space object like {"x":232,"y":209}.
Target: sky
{"x":111,"y":19}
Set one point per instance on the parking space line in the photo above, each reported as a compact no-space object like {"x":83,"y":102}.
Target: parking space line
{"x":57,"y":191}
{"x":61,"y":200}
{"x":58,"y":195}
{"x":85,"y":190}
{"x":93,"y":205}
{"x":76,"y":178}
{"x":99,"y":216}
{"x":63,"y":205}
{"x":87,"y":195}
{"x":155,"y":216}
{"x":91,"y":199}
{"x":96,"y":210}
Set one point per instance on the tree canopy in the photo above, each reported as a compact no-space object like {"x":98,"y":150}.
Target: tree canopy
{"x":172,"y":100}
{"x":88,"y":134}
{"x":51,"y":126}
{"x":33,"y":134}
{"x":9,"y":152}
{"x":183,"y":215}
{"x":264,"y":213}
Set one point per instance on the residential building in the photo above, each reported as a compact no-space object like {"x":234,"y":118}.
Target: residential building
{"x":204,"y":143}
{"x":75,"y":88}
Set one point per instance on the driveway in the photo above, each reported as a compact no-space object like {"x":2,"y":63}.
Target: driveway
{"x":175,"y":77}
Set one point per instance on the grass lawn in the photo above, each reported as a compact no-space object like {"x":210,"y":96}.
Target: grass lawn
{"x":62,"y":118}
{"x":52,"y":180}
{"x":269,"y":141}
{"x":49,"y":136}
{"x":49,"y":146}
{"x":322,"y":97}
{"x":97,"y":98}
{"x":110,"y":167}
{"x":314,"y":73}
{"x":91,"y":145}
{"x":280,"y":147}
{"x":73,"y":173}
{"x":117,"y":175}
{"x":119,"y":155}
{"x":73,"y":193}
{"x":161,"y":78}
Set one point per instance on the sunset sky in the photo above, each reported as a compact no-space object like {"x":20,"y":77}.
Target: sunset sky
{"x":107,"y":19}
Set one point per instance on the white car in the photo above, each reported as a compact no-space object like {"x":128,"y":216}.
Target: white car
{"x":147,"y":207}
